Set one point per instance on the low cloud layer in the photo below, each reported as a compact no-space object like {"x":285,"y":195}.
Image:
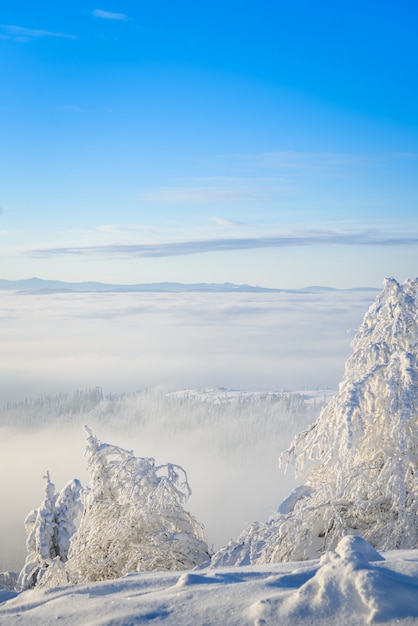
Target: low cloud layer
{"x":124,"y":342}
{"x":53,"y":343}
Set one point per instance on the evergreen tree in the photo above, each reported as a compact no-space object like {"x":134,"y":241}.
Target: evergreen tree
{"x":48,"y":530}
{"x":359,"y":461}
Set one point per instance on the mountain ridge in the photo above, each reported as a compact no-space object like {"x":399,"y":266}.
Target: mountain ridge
{"x":39,"y":285}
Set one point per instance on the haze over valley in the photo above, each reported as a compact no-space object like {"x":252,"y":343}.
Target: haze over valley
{"x":146,"y":348}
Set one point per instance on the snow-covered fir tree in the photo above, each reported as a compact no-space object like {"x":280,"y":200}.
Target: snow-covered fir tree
{"x":359,"y":461}
{"x":49,"y":529}
{"x":133,"y":518}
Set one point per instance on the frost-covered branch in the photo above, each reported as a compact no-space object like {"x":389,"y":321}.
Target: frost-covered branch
{"x":359,"y":461}
{"x":49,"y":529}
{"x":133,"y":517}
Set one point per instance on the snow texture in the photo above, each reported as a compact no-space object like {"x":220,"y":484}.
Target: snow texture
{"x":353,"y":585}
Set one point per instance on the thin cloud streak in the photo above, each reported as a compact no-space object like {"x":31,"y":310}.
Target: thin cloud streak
{"x":198,"y":194}
{"x":293,"y":160}
{"x":21,"y":33}
{"x":200,"y":246}
{"x":107,"y":15}
{"x":221,"y":221}
{"x":313,"y":160}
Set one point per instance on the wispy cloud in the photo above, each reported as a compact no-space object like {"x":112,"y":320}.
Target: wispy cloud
{"x":124,"y":230}
{"x":293,"y":159}
{"x":108,"y":15}
{"x":199,"y":246}
{"x":267,"y":177}
{"x":115,"y":230}
{"x":21,"y":33}
{"x":203,"y":194}
{"x":313,"y":162}
{"x":222,"y":221}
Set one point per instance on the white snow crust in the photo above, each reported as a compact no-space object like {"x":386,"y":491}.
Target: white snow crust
{"x":353,"y":585}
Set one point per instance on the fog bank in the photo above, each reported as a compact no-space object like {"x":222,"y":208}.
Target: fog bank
{"x":228,"y":443}
{"x":123,"y":342}
{"x":126,"y":342}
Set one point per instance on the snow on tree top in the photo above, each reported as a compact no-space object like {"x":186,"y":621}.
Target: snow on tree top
{"x":359,"y":460}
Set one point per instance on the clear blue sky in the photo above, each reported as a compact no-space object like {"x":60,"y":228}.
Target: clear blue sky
{"x":268,"y":142}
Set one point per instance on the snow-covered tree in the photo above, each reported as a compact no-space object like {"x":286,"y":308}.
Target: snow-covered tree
{"x":49,"y":529}
{"x":133,"y":518}
{"x":359,"y":461}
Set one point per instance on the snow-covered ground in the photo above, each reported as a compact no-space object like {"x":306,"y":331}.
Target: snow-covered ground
{"x":352,"y":586}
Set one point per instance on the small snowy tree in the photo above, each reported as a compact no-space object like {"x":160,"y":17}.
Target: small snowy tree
{"x":133,"y":518}
{"x":359,"y":461}
{"x":49,"y":529}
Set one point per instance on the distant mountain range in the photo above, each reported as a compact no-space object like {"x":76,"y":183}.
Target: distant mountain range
{"x":38,"y":285}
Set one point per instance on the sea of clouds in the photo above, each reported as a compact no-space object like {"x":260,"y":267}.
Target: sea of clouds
{"x":53,"y":343}
{"x":58,"y":342}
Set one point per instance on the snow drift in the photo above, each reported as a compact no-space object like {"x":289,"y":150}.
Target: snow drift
{"x":352,"y":585}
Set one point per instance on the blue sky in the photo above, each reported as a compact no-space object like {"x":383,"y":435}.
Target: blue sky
{"x":272,"y":143}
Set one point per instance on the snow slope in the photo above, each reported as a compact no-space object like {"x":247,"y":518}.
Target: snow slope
{"x":353,"y":586}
